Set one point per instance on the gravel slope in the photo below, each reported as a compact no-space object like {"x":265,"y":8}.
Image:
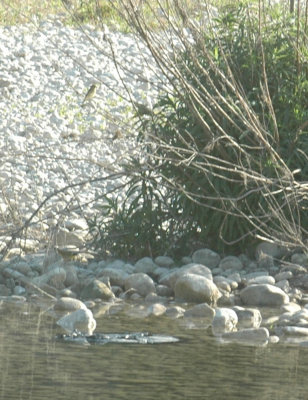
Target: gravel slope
{"x":47,"y":140}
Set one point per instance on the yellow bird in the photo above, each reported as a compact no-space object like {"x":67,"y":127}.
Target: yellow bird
{"x":90,"y":93}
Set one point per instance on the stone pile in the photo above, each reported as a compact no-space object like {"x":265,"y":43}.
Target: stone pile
{"x":238,"y":299}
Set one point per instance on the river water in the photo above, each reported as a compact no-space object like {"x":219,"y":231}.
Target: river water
{"x":33,"y":365}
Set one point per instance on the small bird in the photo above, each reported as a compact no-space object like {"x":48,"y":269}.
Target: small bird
{"x":142,"y":109}
{"x":90,"y":93}
{"x":117,"y":135}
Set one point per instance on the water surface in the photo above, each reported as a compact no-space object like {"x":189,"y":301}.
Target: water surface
{"x":34,"y":365}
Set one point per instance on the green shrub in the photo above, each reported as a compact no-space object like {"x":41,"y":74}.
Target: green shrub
{"x":227,"y":140}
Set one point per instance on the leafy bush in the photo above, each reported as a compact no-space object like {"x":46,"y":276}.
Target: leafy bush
{"x":228,"y":138}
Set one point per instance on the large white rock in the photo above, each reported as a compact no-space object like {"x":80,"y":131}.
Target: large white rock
{"x":248,"y":317}
{"x":81,"y":320}
{"x":253,"y":336}
{"x":263,"y":295}
{"x":293,"y":331}
{"x":156,"y":310}
{"x":145,"y":265}
{"x":117,"y":276}
{"x":164,"y":261}
{"x":269,"y":249}
{"x":262,"y":279}
{"x":196,"y":289}
{"x":231,"y":263}
{"x":69,"y":304}
{"x":206,"y":257}
{"x":225,"y":320}
{"x":141,"y":282}
{"x":170,"y":278}
{"x":200,"y":311}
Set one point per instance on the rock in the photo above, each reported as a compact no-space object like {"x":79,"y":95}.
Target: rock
{"x":81,"y":320}
{"x":200,"y":311}
{"x":300,"y":281}
{"x":19,"y":290}
{"x":160,"y":272}
{"x":22,"y":267}
{"x":231,"y":263}
{"x":55,"y":277}
{"x":292,"y":331}
{"x":226,"y":300}
{"x":299,"y":318}
{"x":129,"y":294}
{"x":283,"y":285}
{"x":206,"y":257}
{"x":69,"y":304}
{"x":65,"y":238}
{"x":154,"y":298}
{"x":252,"y":336}
{"x":197,"y":269}
{"x":269,"y":249}
{"x":29,"y":245}
{"x":68,"y":252}
{"x":223,"y":285}
{"x":5,"y":291}
{"x":141,"y":282}
{"x":235,"y":277}
{"x":270,"y":321}
{"x":290,"y":308}
{"x":67,"y":292}
{"x":115,"y":264}
{"x":164,"y":291}
{"x":156,"y":310}
{"x":283,"y":275}
{"x":248,"y":317}
{"x":71,"y":275}
{"x":96,"y":290}
{"x":263,"y":295}
{"x":145,"y":265}
{"x":76,"y":224}
{"x":117,"y":276}
{"x":164,"y":261}
{"x":174,"y":312}
{"x":273,"y":339}
{"x":196,"y":289}
{"x":255,"y":274}
{"x":300,"y":258}
{"x":225,"y":320}
{"x":186,"y":260}
{"x":261,"y":279}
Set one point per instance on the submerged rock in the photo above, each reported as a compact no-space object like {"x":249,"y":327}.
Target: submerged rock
{"x":254,"y":336}
{"x":120,"y":338}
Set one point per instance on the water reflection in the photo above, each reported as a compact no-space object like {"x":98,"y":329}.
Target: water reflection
{"x":35,"y":366}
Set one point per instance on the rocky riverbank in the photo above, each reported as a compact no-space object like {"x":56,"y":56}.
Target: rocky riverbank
{"x":50,"y":146}
{"x":236,"y":299}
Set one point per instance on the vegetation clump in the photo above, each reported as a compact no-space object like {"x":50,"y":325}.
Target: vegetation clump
{"x":227,"y":141}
